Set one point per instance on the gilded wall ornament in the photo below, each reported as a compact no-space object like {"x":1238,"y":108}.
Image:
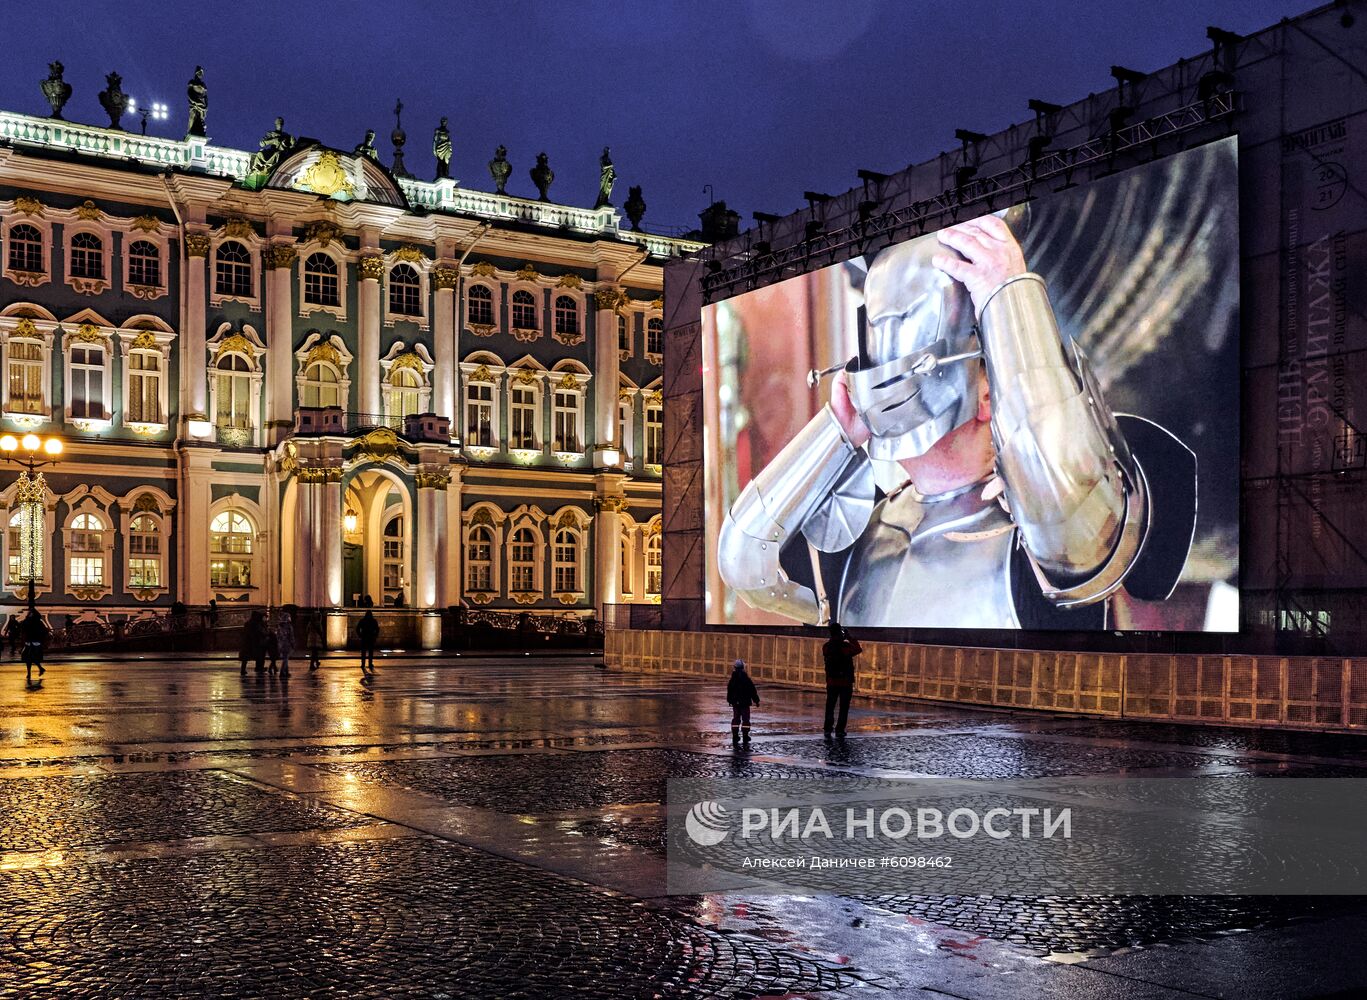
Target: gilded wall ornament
{"x":482,"y":517}
{"x":235,"y":343}
{"x":410,"y":253}
{"x":482,"y":329}
{"x":568,"y":381}
{"x":524,"y":376}
{"x":30,"y":279}
{"x":482,"y":269}
{"x":657,"y":303}
{"x":145,"y":341}
{"x":570,"y":281}
{"x":624,"y":395}
{"x":527,"y":273}
{"x":575,"y":337}
{"x":26,"y":205}
{"x":282,"y":255}
{"x":26,"y":328}
{"x":146,"y":503}
{"x":323,"y":232}
{"x":569,"y":518}
{"x":445,"y":277}
{"x":526,"y":334}
{"x":525,"y":597}
{"x":89,"y":333}
{"x":409,"y":360}
{"x":432,"y":480}
{"x":326,"y":176}
{"x":371,"y":268}
{"x":610,"y":298}
{"x":612,"y":504}
{"x":654,"y":397}
{"x":146,"y":223}
{"x":480,"y":597}
{"x":197,"y":244}
{"x":324,"y":352}
{"x":89,"y":211}
{"x":480,"y":374}
{"x":379,"y":444}
{"x":238,"y":229}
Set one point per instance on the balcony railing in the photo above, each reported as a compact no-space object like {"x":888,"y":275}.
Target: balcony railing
{"x":319,"y":420}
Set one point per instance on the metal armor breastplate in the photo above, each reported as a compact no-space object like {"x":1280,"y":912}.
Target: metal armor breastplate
{"x":940,"y":562}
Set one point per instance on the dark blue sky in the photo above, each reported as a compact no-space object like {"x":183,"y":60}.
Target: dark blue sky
{"x":760,"y":98}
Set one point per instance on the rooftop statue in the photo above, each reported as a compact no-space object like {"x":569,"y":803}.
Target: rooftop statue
{"x":198,"y":94}
{"x":366,"y":147}
{"x":542,"y":176}
{"x":499,"y":169}
{"x":635,"y":207}
{"x":113,"y":99}
{"x":441,"y":149}
{"x":398,"y":137}
{"x":55,"y":89}
{"x":607,"y":177}
{"x":274,"y":145}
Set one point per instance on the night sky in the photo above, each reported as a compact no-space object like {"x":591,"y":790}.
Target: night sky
{"x":762,"y":99}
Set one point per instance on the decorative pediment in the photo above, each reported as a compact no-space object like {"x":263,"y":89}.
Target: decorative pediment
{"x":527,"y":273}
{"x":146,"y":223}
{"x":568,"y":381}
{"x":481,"y":516}
{"x":89,"y":333}
{"x":570,"y":281}
{"x":239,"y":229}
{"x":88,"y":211}
{"x":481,"y":374}
{"x":26,"y":205}
{"x":482,"y":269}
{"x":235,"y":343}
{"x":409,"y":253}
{"x":337,"y":175}
{"x":379,"y":444}
{"x":524,"y":376}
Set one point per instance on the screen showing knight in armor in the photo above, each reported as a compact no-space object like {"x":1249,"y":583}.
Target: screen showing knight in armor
{"x":1028,"y":420}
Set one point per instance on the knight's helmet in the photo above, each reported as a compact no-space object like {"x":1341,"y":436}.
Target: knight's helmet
{"x":915,"y":311}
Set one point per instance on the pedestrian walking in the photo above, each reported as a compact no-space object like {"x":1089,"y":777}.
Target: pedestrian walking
{"x":36,"y":634}
{"x":740,"y":695}
{"x":254,"y":643}
{"x":839,"y":652}
{"x":313,"y":637}
{"x":284,"y":640}
{"x":368,"y":632}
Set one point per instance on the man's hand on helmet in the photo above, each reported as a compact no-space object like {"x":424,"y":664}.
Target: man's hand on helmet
{"x":850,"y":422}
{"x":987,"y":255}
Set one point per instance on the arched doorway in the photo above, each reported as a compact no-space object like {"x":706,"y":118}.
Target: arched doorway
{"x":377,"y":540}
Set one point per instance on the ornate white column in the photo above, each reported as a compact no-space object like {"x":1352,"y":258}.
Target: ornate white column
{"x":607,"y":560}
{"x":194,"y":380}
{"x":450,"y":579}
{"x":279,"y":259}
{"x":606,"y":378}
{"x":330,"y":540}
{"x":306,"y":561}
{"x":446,"y":277}
{"x":431,"y":537}
{"x":370,"y":269}
{"x":196,"y":485}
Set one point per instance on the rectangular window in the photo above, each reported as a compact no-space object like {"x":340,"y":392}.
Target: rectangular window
{"x":479,"y":415}
{"x":623,"y":334}
{"x":143,"y":572}
{"x":565,"y":421}
{"x":524,"y":417}
{"x":566,"y":568}
{"x":87,"y":571}
{"x":25,"y":377}
{"x":87,"y":383}
{"x":654,"y":436}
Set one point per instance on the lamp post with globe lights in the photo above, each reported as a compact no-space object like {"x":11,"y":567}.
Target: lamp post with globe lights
{"x":31,"y":452}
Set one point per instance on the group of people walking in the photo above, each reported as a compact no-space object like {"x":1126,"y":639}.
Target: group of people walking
{"x":273,"y":637}
{"x":838,"y":651}
{"x":31,"y":634}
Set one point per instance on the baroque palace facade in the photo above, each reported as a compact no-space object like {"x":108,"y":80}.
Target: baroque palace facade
{"x":322,"y":384}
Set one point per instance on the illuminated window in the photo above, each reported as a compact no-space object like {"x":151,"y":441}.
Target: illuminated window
{"x":566,"y":315}
{"x":405,"y":291}
{"x":623,"y":334}
{"x":392,"y":569}
{"x":524,"y":414}
{"x":625,"y":421}
{"x":25,"y":377}
{"x":624,"y":571}
{"x":565,"y":560}
{"x":524,"y":310}
{"x":87,"y":382}
{"x":522,"y":561}
{"x":233,"y":269}
{"x":144,"y":387}
{"x":479,"y":415}
{"x":144,"y":552}
{"x":654,"y":426}
{"x":321,"y":284}
{"x":26,"y":249}
{"x":231,"y":542}
{"x":479,"y":562}
{"x":405,"y":395}
{"x":87,"y":256}
{"x":85,"y":551}
{"x":565,"y":421}
{"x":479,"y":306}
{"x":655,"y":336}
{"x":320,"y":386}
{"x":233,"y":373}
{"x":144,"y":263}
{"x":654,"y":565}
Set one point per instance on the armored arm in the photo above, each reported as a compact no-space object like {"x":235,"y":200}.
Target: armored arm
{"x":819,"y":487}
{"x":1075,"y":492}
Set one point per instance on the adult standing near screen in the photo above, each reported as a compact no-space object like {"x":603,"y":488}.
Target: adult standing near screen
{"x":1026,"y":502}
{"x":839,"y":652}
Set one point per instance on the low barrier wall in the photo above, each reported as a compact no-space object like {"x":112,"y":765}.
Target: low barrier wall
{"x":1300,"y":692}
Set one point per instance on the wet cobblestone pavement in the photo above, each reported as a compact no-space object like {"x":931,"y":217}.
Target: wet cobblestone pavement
{"x":496,"y":829}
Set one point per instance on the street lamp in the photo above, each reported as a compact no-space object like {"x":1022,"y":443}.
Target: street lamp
{"x":157,"y":112}
{"x":349,"y":520}
{"x":30,"y":494}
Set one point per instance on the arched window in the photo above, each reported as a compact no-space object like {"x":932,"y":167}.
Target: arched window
{"x":144,"y":387}
{"x":87,"y":382}
{"x":623,"y":334}
{"x":87,"y":256}
{"x":655,"y":335}
{"x":85,"y":566}
{"x":524,"y":310}
{"x":233,"y":269}
{"x":405,"y":397}
{"x":479,"y":561}
{"x":25,"y":377}
{"x":654,"y":426}
{"x":320,"y":386}
{"x":565,"y":557}
{"x":231,"y":542}
{"x":321,"y":287}
{"x":522,"y":561}
{"x":393,"y":560}
{"x":405,"y":291}
{"x":233,"y":372}
{"x":479,"y":415}
{"x":144,"y":552}
{"x":144,"y":263}
{"x":26,"y":249}
{"x":479,"y":306}
{"x":654,"y":565}
{"x":566,"y":315}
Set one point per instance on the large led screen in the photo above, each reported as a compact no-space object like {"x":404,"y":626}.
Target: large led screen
{"x":1028,"y":420}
